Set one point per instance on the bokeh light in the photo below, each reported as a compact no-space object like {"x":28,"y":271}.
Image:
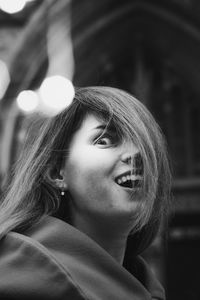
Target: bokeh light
{"x":4,"y":78}
{"x":28,"y":101}
{"x":12,"y":6}
{"x":56,"y":92}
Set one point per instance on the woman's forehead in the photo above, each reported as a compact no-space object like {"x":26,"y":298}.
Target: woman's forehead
{"x":93,"y":121}
{"x":94,"y":118}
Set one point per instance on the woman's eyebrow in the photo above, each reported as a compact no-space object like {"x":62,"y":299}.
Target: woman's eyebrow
{"x":105,"y":127}
{"x":102,"y":126}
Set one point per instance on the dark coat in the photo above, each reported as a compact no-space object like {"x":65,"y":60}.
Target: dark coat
{"x":54,"y":260}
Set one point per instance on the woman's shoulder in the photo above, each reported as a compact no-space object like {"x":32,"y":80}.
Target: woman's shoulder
{"x":54,"y":260}
{"x":28,"y":269}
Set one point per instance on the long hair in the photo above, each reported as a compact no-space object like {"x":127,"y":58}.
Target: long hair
{"x":31,"y":196}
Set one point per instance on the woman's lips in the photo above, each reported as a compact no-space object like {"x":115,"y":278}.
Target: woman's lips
{"x":129,"y":179}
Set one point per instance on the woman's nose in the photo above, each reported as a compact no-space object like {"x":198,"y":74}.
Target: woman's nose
{"x":126,"y":157}
{"x":132,"y":158}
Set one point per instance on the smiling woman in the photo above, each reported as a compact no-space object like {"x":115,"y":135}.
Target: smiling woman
{"x":97,"y":173}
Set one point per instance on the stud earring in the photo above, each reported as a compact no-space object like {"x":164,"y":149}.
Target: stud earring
{"x":61,"y":185}
{"x":63,"y":188}
{"x":62,"y":192}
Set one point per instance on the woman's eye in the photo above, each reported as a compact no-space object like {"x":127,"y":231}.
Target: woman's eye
{"x":104,"y":141}
{"x":107,"y":140}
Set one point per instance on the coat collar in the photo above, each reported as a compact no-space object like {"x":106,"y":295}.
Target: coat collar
{"x":95,"y":270}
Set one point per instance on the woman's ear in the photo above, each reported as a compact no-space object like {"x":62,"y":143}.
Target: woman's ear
{"x":56,"y":179}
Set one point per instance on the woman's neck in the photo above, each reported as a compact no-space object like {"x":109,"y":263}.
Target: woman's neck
{"x":110,"y":238}
{"x":115,"y":246}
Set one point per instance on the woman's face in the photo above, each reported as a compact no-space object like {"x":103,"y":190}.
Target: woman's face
{"x":95,"y":170}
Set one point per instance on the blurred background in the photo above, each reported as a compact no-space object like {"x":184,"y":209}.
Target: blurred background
{"x":149,"y":48}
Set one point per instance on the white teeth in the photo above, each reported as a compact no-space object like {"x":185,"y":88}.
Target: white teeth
{"x":124,"y":179}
